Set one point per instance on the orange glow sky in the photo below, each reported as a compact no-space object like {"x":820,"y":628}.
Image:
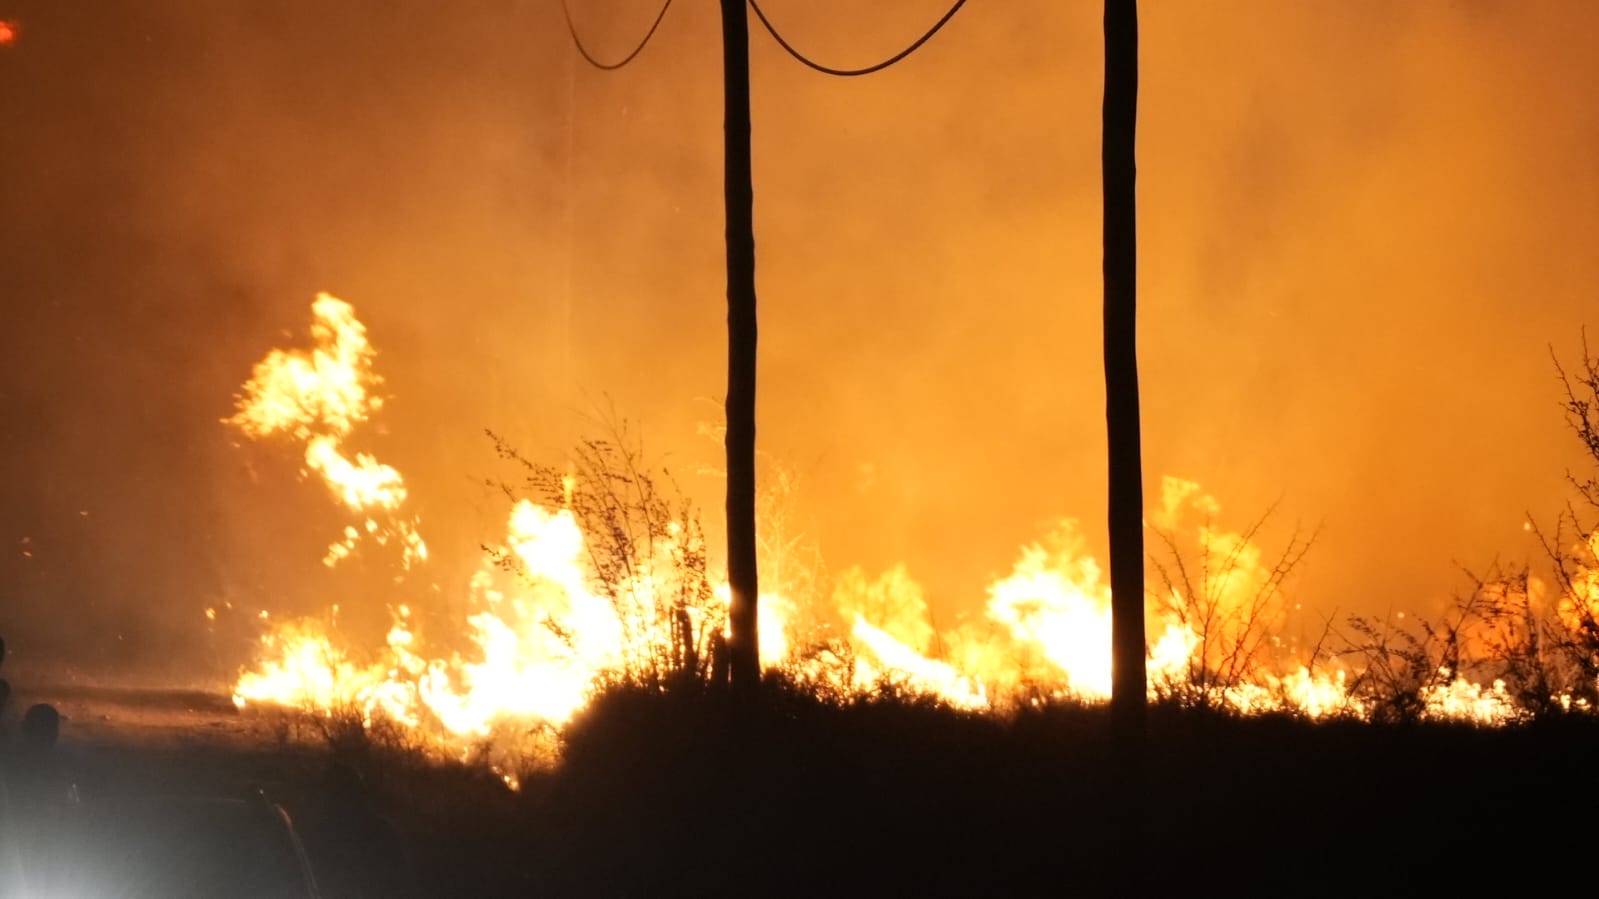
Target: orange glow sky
{"x":1363,"y":224}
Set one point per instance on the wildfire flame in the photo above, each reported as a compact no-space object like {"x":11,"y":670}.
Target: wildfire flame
{"x":546,"y":632}
{"x":318,"y":397}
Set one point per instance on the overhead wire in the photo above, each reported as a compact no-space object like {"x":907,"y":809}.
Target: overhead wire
{"x":867,"y":70}
{"x":571,"y":28}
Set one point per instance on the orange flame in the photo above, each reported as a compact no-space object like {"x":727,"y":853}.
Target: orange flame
{"x":318,"y":397}
{"x":545,"y":633}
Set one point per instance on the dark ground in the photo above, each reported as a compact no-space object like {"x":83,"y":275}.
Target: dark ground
{"x":672,"y":795}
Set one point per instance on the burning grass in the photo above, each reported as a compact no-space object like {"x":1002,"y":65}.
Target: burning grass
{"x":603,"y":581}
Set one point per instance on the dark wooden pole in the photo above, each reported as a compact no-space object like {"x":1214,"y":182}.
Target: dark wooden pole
{"x":743,"y":642}
{"x":1128,"y":704}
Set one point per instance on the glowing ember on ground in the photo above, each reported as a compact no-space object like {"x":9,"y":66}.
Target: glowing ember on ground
{"x":548,"y":624}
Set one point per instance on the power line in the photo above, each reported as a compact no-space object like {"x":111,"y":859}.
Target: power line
{"x":571,"y":28}
{"x":851,"y":73}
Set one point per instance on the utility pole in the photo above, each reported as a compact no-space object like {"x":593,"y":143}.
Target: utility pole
{"x":1129,"y":699}
{"x":743,"y":642}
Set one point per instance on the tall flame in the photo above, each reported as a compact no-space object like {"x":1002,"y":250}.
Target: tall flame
{"x":318,"y":397}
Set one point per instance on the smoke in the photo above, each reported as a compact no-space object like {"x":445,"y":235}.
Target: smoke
{"x":1362,"y":226}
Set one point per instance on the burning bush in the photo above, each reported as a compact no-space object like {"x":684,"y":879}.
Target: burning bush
{"x":645,"y":550}
{"x":1505,"y":649}
{"x":1226,"y":603}
{"x":1573,"y":549}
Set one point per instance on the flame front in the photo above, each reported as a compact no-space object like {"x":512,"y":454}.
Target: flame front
{"x":547,"y":628}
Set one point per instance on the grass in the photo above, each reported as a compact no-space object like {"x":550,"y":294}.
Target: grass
{"x":673,"y":793}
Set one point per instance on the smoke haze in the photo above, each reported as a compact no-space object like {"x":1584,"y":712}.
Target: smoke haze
{"x":1363,"y":225}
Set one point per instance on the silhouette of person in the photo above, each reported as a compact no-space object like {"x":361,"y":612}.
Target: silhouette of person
{"x":40,"y":780}
{"x":41,"y":728}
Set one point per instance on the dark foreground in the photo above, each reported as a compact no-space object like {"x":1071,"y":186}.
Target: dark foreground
{"x":675,"y":795}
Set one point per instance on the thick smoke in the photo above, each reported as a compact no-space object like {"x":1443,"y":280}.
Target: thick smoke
{"x":1362,"y":225}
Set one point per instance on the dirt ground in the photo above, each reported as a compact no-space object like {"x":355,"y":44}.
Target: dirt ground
{"x":121,"y":741}
{"x":131,"y":743}
{"x":95,"y":717}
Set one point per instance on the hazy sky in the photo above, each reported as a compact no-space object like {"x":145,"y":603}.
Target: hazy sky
{"x":1363,"y":224}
